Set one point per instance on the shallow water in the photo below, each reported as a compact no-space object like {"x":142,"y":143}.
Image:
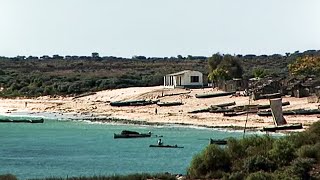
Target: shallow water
{"x":78,"y":148}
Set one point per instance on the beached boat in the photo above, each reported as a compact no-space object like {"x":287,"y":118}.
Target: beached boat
{"x":166,"y":146}
{"x":131,"y":134}
{"x":279,"y":120}
{"x":214,"y":95}
{"x":133,"y":103}
{"x":22,"y":120}
{"x":231,"y":114}
{"x":174,"y":103}
{"x":292,"y":112}
{"x":283,"y":127}
{"x":214,"y":107}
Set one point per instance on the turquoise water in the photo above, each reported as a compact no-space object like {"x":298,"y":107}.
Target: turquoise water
{"x":75,"y":148}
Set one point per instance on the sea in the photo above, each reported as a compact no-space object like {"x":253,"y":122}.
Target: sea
{"x":67,"y":148}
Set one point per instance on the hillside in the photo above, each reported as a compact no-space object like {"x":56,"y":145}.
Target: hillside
{"x":57,"y":75}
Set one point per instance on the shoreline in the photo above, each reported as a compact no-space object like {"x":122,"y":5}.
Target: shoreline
{"x":96,"y":107}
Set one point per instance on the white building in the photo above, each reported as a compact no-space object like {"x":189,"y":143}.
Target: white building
{"x":185,"y":78}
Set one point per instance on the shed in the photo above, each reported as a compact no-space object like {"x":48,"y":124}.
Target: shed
{"x":186,"y":78}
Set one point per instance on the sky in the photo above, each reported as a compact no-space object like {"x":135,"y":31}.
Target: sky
{"x":158,"y":28}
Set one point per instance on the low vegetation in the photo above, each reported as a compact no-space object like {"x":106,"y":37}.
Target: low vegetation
{"x":295,"y":156}
{"x":57,"y":75}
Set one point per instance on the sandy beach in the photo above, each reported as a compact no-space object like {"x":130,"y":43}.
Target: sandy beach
{"x":97,"y":106}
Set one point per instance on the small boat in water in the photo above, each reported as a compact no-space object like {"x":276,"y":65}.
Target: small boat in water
{"x":131,"y":134}
{"x":165,"y":146}
{"x":22,"y":120}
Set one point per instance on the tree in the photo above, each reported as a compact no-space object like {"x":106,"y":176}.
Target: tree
{"x":214,"y":61}
{"x":259,"y":73}
{"x":224,"y":67}
{"x":308,"y":65}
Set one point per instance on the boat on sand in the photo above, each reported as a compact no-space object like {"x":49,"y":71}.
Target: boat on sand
{"x":279,"y":121}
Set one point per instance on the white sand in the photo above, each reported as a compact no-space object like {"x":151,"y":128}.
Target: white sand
{"x":98,"y":105}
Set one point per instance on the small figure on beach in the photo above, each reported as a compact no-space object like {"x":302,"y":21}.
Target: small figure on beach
{"x":156,"y":111}
{"x":25,"y":104}
{"x":160,"y":142}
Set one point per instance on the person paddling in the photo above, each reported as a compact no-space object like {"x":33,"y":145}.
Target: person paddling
{"x":160,"y":142}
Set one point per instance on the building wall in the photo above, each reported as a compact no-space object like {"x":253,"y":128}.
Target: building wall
{"x":183,"y":79}
{"x":186,"y":79}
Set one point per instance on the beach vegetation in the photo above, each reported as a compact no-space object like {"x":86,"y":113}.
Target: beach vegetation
{"x":261,"y":157}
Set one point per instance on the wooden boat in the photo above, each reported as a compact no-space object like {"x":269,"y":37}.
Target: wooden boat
{"x":218,"y":141}
{"x":131,"y":134}
{"x":283,"y":127}
{"x":230,"y":114}
{"x":214,"y":107}
{"x":214,"y":95}
{"x":133,"y":103}
{"x":292,"y":112}
{"x":174,"y":103}
{"x":22,"y":120}
{"x":279,"y":120}
{"x":166,"y":146}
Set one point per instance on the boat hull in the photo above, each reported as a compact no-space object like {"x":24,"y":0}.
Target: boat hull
{"x":169,"y":103}
{"x":131,"y":136}
{"x":22,"y":121}
{"x":166,"y":146}
{"x":283,"y":127}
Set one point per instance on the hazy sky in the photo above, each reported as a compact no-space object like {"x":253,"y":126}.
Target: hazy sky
{"x":158,"y":27}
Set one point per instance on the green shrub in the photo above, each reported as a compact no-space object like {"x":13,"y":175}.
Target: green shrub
{"x":209,"y":161}
{"x":257,"y":144}
{"x":309,"y":151}
{"x":8,"y":177}
{"x":197,"y":167}
{"x":282,"y":152}
{"x":235,"y":176}
{"x":257,"y":163}
{"x":300,"y":167}
{"x":260,"y":176}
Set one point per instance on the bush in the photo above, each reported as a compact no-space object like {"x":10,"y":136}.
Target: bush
{"x":260,"y":176}
{"x":235,"y":176}
{"x":282,"y":152}
{"x":257,"y":163}
{"x":300,"y":167}
{"x":8,"y":177}
{"x":309,"y":151}
{"x":209,"y":161}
